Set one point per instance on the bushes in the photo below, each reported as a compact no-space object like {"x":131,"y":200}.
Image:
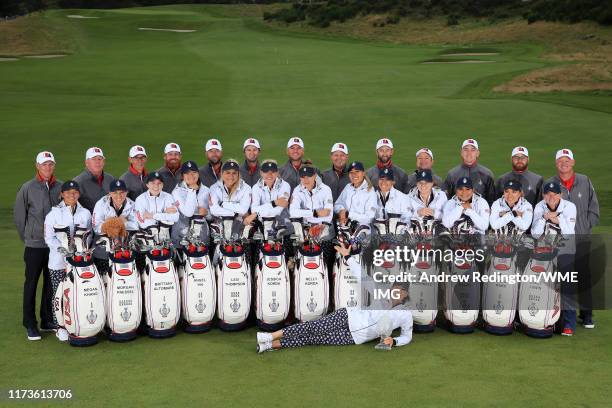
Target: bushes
{"x":323,"y":13}
{"x":571,"y":11}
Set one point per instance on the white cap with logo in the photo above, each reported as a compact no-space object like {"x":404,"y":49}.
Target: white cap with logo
{"x":384,"y":143}
{"x":520,"y":150}
{"x":340,"y":147}
{"x":137,"y":151}
{"x":93,"y":152}
{"x":250,"y":142}
{"x":213,"y":144}
{"x":425,"y":150}
{"x":564,"y":153}
{"x":470,"y":142}
{"x":43,"y":157}
{"x":295,"y":141}
{"x":172,"y":147}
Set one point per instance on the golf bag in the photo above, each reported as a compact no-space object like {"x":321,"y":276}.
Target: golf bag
{"x":79,"y":302}
{"x":310,"y":290}
{"x":347,"y":283}
{"x":423,"y":293}
{"x":462,"y":298}
{"x":499,"y":298}
{"x":540,"y":302}
{"x":273,"y":297}
{"x":233,"y":273}
{"x":197,"y":277}
{"x":123,"y":290}
{"x":161,"y":283}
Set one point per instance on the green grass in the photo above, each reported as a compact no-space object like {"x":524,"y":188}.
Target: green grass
{"x":233,"y":78}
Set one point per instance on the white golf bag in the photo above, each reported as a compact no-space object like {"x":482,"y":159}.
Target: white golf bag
{"x":423,"y":293}
{"x":79,"y":302}
{"x":540,"y":302}
{"x":233,"y":274}
{"x":347,"y":283}
{"x":198,"y":280}
{"x":161,"y":283}
{"x":462,"y":298}
{"x":499,"y":298}
{"x":311,"y":286}
{"x":273,"y":297}
{"x":123,"y":290}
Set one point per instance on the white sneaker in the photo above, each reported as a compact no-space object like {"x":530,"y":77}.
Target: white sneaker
{"x":263,"y":347}
{"x":62,"y":334}
{"x":263,"y":337}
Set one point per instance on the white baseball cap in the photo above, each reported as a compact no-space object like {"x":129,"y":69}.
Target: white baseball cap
{"x":425,"y":150}
{"x":251,"y":142}
{"x":520,"y":150}
{"x":295,"y":141}
{"x":93,"y":152}
{"x":564,"y":153}
{"x":172,"y":147}
{"x":43,"y":157}
{"x":340,"y":147}
{"x":213,"y":144}
{"x":470,"y":142}
{"x":137,"y":151}
{"x":384,"y":142}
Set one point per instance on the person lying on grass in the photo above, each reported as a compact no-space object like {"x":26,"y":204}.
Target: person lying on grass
{"x":351,"y":325}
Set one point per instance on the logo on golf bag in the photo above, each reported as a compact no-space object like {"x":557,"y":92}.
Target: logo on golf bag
{"x":67,"y":318}
{"x":199,"y":307}
{"x":533,"y":309}
{"x":164,"y":310}
{"x":92,"y":317}
{"x":352,"y":302}
{"x":125,"y":315}
{"x":274,"y":305}
{"x":235,"y":306}
{"x":312,"y":305}
{"x":499,"y":307}
{"x":421,"y":305}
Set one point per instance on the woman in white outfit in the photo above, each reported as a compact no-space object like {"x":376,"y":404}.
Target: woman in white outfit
{"x":345,"y":326}
{"x":191,"y":198}
{"x":68,"y":213}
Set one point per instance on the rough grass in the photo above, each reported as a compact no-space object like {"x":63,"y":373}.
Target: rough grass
{"x":34,"y":34}
{"x":587,"y":46}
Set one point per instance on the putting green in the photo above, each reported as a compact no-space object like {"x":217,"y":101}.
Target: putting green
{"x":233,"y":78}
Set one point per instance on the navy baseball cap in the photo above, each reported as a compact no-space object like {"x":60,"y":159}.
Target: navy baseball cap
{"x":386,"y":173}
{"x":424,"y":175}
{"x":269,"y":166}
{"x":154,"y":176}
{"x":70,"y":185}
{"x":189,"y":165}
{"x":513,"y":185}
{"x":356,"y":166}
{"x":307,"y":171}
{"x":117,"y":185}
{"x":230,"y":165}
{"x":464,"y":182}
{"x":552,"y":186}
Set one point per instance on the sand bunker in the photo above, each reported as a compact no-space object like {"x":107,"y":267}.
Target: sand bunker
{"x":469,"y":54}
{"x":45,"y":56}
{"x":458,"y":62}
{"x":79,"y":16}
{"x":174,"y":30}
{"x":7,"y":59}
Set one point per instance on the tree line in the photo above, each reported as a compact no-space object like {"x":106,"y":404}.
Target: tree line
{"x":323,"y":13}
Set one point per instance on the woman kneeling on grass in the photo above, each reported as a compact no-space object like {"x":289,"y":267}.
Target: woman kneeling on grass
{"x":351,"y":325}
